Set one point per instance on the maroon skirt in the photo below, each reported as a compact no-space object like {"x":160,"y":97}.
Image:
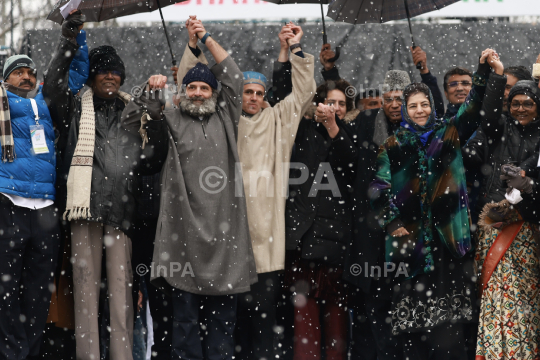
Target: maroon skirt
{"x":315,"y":279}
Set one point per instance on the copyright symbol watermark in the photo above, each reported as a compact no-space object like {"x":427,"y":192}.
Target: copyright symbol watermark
{"x":213,"y":179}
{"x":356,"y":269}
{"x":376,"y":271}
{"x":141,"y":269}
{"x":136,"y":91}
{"x":350,"y":91}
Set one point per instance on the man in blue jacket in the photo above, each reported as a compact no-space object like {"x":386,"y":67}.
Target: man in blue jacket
{"x":29,"y":233}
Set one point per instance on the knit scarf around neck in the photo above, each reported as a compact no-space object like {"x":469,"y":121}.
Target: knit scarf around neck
{"x":79,"y":181}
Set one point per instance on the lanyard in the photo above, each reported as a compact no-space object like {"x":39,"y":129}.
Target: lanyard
{"x":35,"y":109}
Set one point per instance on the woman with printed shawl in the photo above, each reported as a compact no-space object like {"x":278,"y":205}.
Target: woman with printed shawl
{"x":421,"y":195}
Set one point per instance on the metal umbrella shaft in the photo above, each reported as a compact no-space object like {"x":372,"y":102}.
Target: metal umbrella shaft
{"x":166,"y":33}
{"x":419,"y":65}
{"x":325,"y":39}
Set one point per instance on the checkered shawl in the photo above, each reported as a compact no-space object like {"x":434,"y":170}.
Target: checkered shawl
{"x":6,"y":135}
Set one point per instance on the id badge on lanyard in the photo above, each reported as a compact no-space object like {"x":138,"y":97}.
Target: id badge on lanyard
{"x":37,"y":133}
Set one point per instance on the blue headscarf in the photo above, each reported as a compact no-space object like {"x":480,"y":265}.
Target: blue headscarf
{"x":425,"y":131}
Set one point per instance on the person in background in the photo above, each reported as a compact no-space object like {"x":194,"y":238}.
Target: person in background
{"x":100,"y":199}
{"x":513,"y":75}
{"x":29,"y":221}
{"x":371,"y":296}
{"x":203,"y":233}
{"x":319,"y":225}
{"x":61,"y":314}
{"x":419,"y":191}
{"x":508,"y":280}
{"x":368,"y":99}
{"x":265,"y":141}
{"x":457,"y":84}
{"x":420,"y":57}
{"x":511,"y":138}
{"x":477,"y":151}
{"x":143,"y":237}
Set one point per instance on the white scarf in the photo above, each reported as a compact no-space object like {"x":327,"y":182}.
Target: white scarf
{"x":79,"y":181}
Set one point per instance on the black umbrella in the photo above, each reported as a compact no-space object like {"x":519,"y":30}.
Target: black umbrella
{"x":370,"y":11}
{"x":101,"y":10}
{"x":321,"y":2}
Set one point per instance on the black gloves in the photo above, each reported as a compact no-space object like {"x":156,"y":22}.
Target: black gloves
{"x":150,"y":101}
{"x":515,"y":180}
{"x":70,"y":26}
{"x":153,"y":108}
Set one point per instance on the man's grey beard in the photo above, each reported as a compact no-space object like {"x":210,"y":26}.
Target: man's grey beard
{"x":208,"y":106}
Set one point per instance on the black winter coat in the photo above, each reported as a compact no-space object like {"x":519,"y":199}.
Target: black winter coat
{"x":502,"y":140}
{"x":119,"y":159}
{"x":367,"y":247}
{"x":320,"y":223}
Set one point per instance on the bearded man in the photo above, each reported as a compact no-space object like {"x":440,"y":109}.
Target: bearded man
{"x":202,"y":249}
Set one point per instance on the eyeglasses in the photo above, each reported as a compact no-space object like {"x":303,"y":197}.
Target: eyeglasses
{"x":389,"y":100}
{"x":454,"y":84}
{"x":250,"y":92}
{"x":112,"y":72}
{"x":526,"y":105}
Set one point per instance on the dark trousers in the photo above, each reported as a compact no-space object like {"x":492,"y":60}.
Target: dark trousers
{"x":160,"y":304}
{"x":446,"y":341}
{"x":255,"y":333}
{"x":372,"y":326}
{"x":29,"y":241}
{"x":203,"y":326}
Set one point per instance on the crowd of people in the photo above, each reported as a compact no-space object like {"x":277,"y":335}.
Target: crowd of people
{"x":272,"y":219}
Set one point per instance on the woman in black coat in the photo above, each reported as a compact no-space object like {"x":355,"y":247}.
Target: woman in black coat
{"x":508,"y":139}
{"x":318,"y":224}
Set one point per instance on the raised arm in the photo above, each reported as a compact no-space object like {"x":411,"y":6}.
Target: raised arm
{"x":196,"y":27}
{"x":56,"y":90}
{"x":330,"y":70}
{"x":469,"y":115}
{"x":295,"y":104}
{"x":232,"y":86}
{"x":420,"y":57}
{"x":281,"y":75}
{"x":343,"y":151}
{"x":492,"y":107}
{"x":80,"y":66}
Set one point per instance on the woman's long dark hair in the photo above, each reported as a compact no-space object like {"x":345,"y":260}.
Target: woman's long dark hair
{"x":329,"y":85}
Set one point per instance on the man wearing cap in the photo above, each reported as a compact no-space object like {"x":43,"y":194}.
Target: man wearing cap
{"x":202,"y":252}
{"x":29,"y":232}
{"x":97,"y":181}
{"x":265,"y":141}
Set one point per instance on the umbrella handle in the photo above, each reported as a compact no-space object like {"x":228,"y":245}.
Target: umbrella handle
{"x":334,"y":59}
{"x":419,"y":65}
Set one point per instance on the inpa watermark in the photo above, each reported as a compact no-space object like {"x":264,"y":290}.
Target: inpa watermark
{"x":387,"y":270}
{"x":155,"y":270}
{"x":213,"y":180}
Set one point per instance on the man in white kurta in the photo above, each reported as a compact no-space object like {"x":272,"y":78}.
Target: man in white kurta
{"x":265,"y":141}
